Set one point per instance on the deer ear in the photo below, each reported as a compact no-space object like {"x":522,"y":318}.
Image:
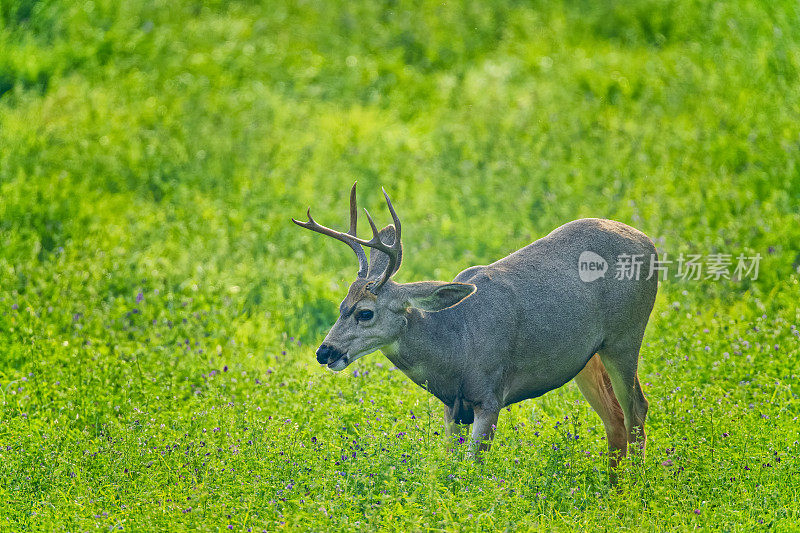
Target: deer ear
{"x":436,"y":295}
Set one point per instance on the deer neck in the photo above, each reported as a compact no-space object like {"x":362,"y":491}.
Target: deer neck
{"x":423,"y":354}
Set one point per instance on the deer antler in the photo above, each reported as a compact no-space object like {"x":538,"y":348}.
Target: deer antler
{"x":348,"y":238}
{"x":393,"y":251}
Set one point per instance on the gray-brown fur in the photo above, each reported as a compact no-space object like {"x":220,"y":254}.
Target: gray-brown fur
{"x":513,"y":330}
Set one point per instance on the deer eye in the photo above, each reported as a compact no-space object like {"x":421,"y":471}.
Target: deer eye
{"x":364,"y":315}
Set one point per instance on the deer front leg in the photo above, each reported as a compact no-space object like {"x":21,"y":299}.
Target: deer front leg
{"x":452,"y":428}
{"x":482,"y":431}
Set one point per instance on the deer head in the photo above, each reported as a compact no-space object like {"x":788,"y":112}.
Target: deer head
{"x":374,"y":314}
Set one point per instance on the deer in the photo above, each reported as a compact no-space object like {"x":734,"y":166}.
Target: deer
{"x":508,"y":331}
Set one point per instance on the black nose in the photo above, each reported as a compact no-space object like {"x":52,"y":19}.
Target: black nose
{"x":323,"y":352}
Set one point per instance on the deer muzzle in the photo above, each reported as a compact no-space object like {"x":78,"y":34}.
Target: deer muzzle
{"x":328,"y":354}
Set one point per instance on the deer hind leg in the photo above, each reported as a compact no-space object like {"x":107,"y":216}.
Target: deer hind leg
{"x":595,"y":385}
{"x":621,"y":364}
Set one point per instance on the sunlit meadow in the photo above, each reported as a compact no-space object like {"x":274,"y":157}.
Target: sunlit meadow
{"x":159,"y":311}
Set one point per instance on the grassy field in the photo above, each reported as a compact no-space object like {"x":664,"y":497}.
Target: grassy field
{"x":159,"y":311}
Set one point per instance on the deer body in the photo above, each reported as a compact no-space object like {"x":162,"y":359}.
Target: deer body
{"x":511,"y":330}
{"x":531,"y":324}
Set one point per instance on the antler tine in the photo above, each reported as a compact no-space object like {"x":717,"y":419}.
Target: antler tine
{"x":397,"y":245}
{"x":395,"y":218}
{"x":353,"y":211}
{"x":375,"y":239}
{"x":348,"y":238}
{"x":396,"y":254}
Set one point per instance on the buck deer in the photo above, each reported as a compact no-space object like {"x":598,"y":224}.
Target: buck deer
{"x":508,"y":331}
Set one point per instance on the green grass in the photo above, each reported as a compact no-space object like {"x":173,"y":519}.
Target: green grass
{"x":159,"y":311}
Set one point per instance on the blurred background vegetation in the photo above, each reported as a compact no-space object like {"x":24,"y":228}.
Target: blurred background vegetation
{"x":152,"y":154}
